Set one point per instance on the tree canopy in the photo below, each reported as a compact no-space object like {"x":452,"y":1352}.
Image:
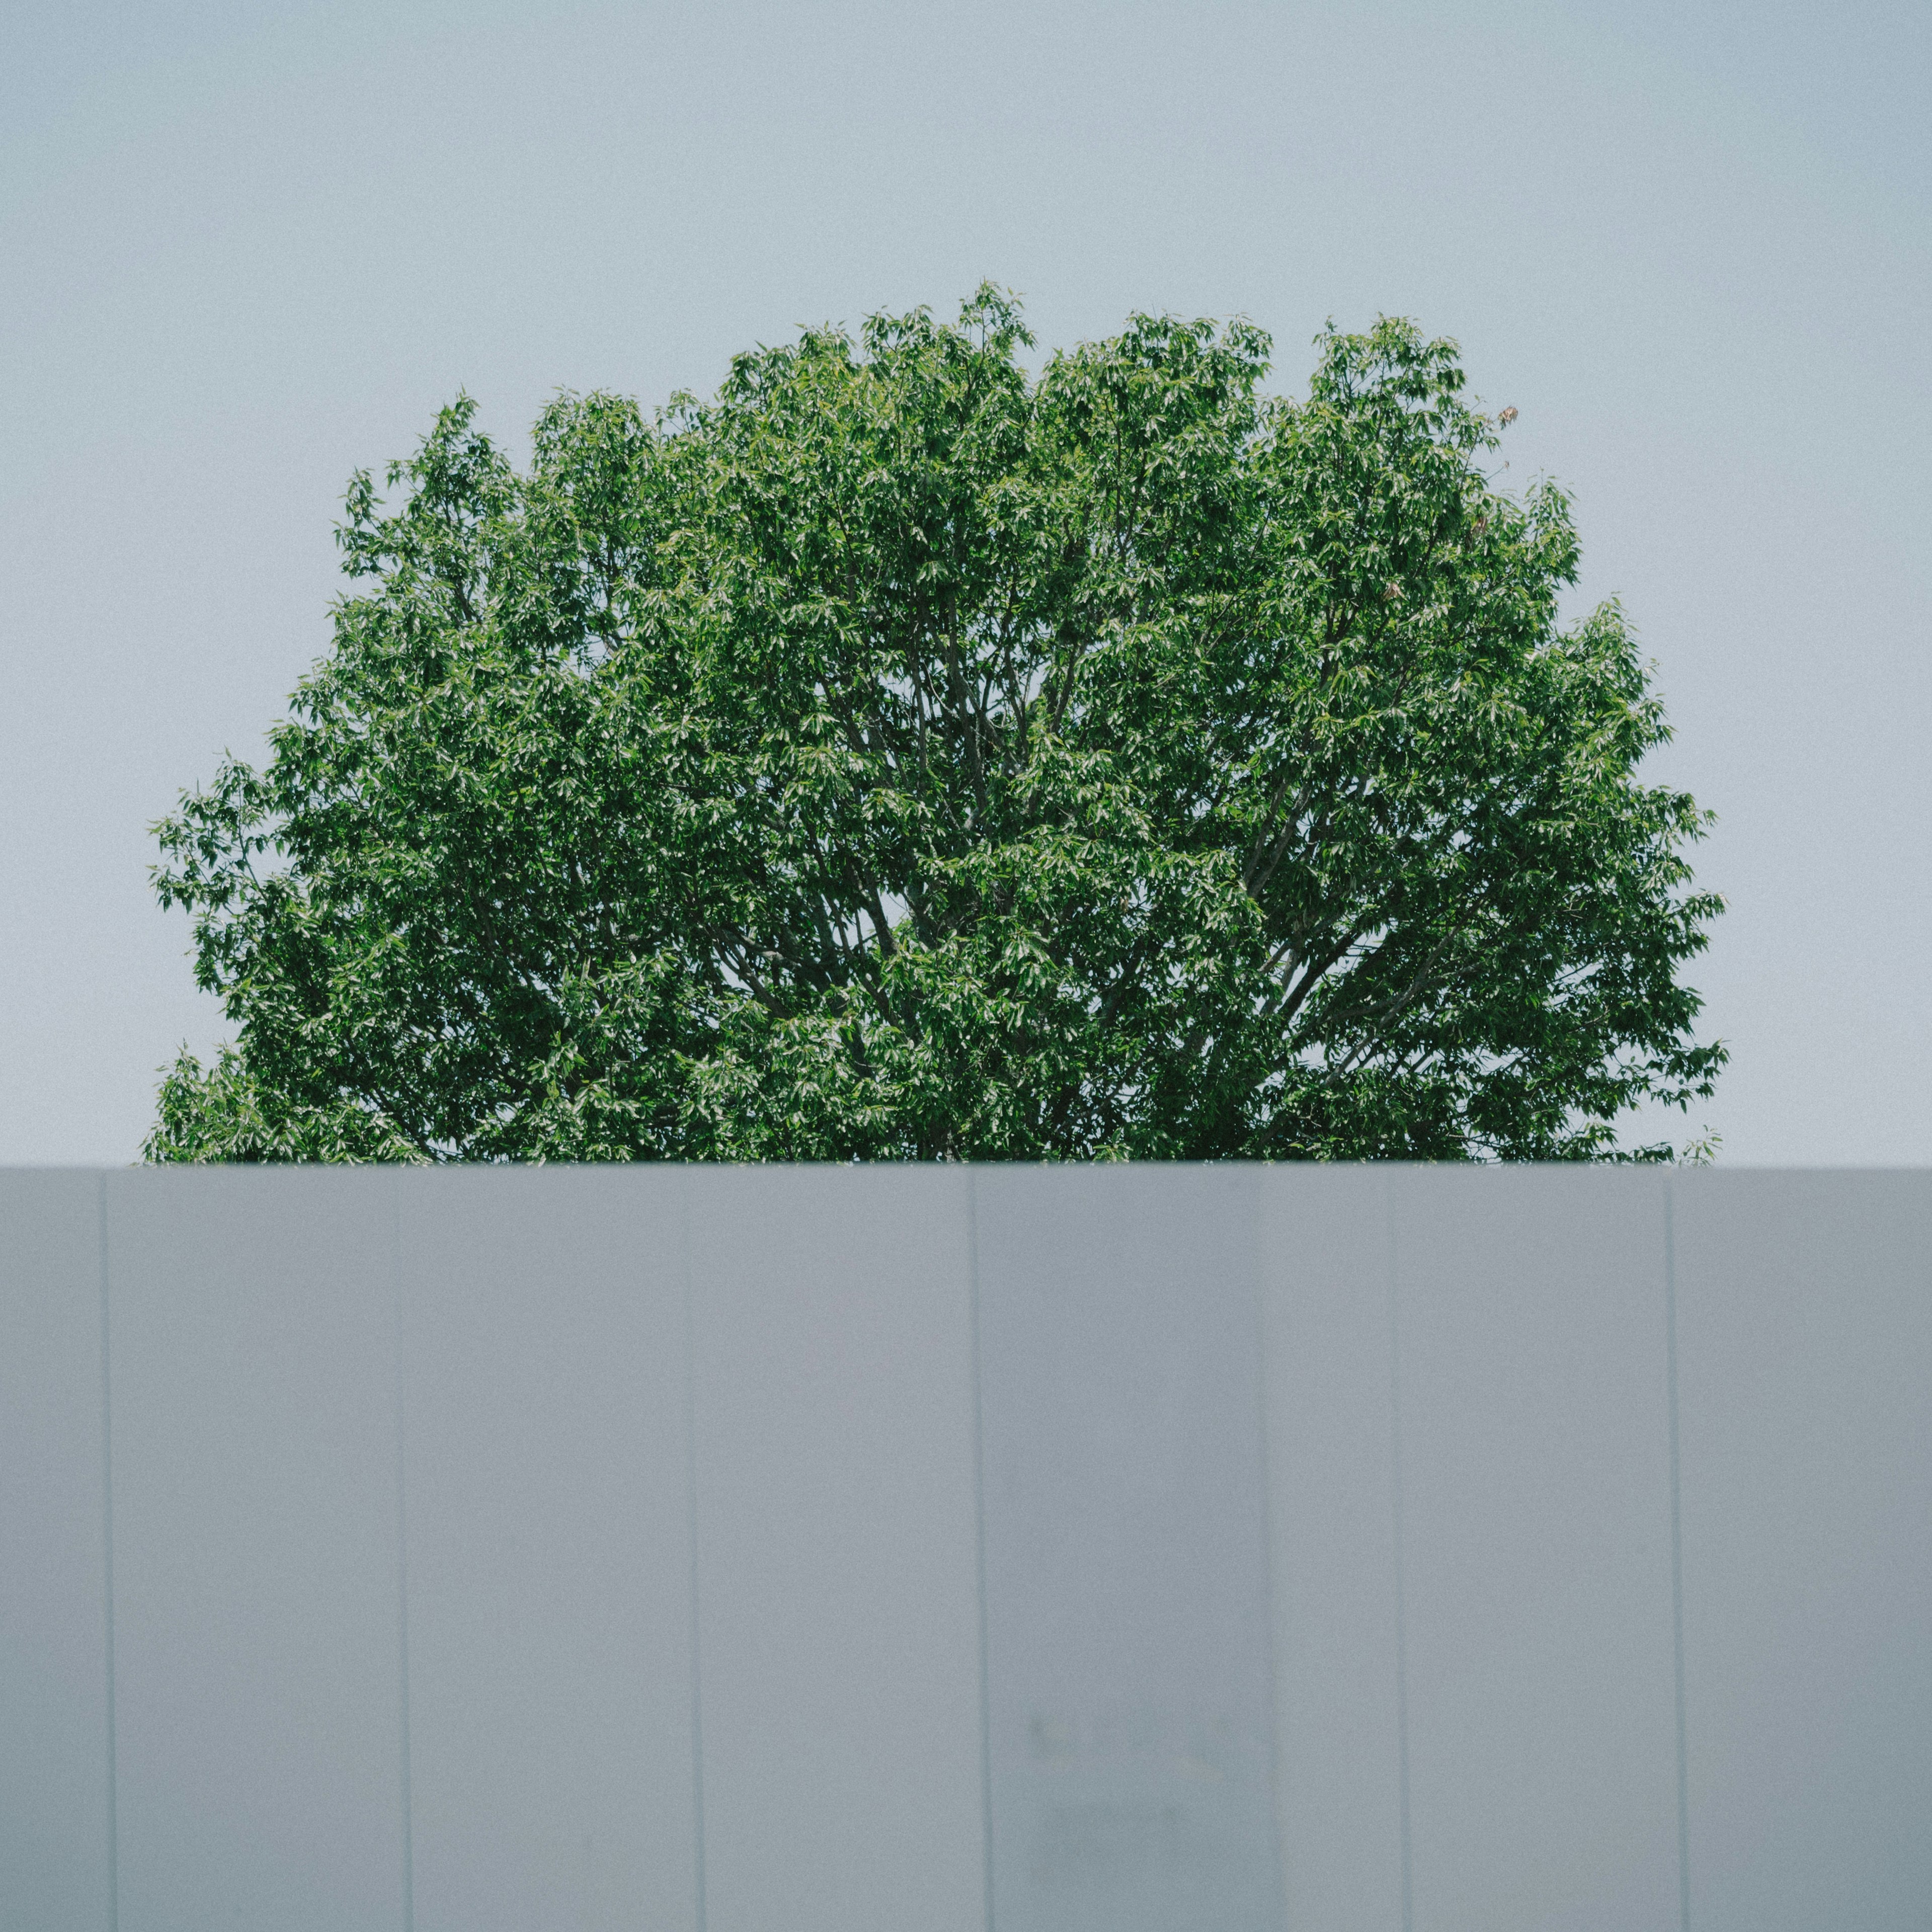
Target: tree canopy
{"x":904,"y":754}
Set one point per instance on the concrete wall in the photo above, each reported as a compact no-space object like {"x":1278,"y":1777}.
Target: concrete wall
{"x":1041,"y":1550}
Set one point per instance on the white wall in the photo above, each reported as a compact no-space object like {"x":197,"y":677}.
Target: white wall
{"x":1040,"y":1550}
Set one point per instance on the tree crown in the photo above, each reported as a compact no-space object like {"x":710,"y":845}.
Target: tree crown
{"x":900,"y":754}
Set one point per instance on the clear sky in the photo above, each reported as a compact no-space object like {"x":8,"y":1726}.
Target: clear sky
{"x":244,"y":249}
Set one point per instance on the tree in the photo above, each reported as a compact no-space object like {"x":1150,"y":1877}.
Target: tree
{"x":904,"y":756}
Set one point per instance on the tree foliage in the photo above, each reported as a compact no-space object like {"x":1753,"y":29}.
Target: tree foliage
{"x":903,"y":755}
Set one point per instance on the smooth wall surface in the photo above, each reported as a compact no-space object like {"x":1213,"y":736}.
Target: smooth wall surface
{"x":546,"y":1506}
{"x":55,"y":1785}
{"x":1804,"y":1365}
{"x":1128,"y":1668}
{"x":837,"y":1577}
{"x":1042,"y":1550}
{"x":256,"y":1695}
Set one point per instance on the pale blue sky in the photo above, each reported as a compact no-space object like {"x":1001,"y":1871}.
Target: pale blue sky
{"x":243,"y":250}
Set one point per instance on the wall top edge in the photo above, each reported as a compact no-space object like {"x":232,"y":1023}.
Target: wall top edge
{"x":1700,"y":1175}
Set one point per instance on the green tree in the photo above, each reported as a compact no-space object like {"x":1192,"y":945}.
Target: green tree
{"x":904,"y":756}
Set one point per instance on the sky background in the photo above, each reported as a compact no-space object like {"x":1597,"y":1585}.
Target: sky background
{"x":244,"y":250}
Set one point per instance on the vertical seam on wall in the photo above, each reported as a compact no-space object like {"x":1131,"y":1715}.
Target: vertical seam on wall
{"x":404,"y":1786}
{"x":1261,"y":1254}
{"x":107,"y":1565}
{"x":979,"y":1545}
{"x":1401,"y":1594}
{"x":699,"y":1905}
{"x":1676,"y":1553}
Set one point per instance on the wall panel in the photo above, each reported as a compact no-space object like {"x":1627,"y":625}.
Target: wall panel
{"x":55,"y":1868}
{"x":839,"y":1633}
{"x":257,"y":1715}
{"x":1129,"y":1675}
{"x":1804,"y":1327}
{"x":1535,"y":1444}
{"x":549,"y":1551}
